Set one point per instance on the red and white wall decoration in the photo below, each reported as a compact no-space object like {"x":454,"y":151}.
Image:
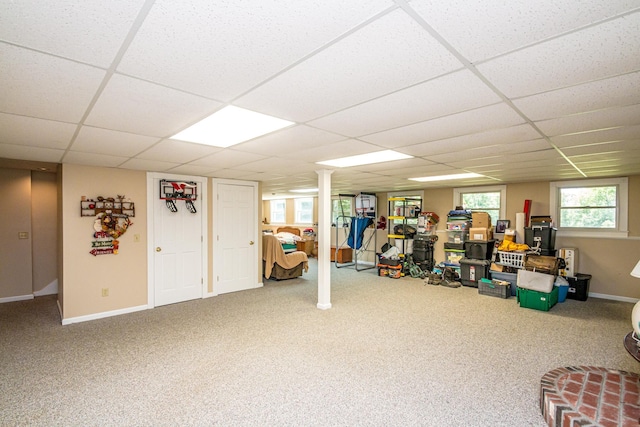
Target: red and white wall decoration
{"x":112,"y":220}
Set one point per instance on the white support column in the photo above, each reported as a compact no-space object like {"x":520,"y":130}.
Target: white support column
{"x":324,"y":239}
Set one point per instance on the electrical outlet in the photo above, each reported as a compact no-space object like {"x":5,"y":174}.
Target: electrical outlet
{"x":105,"y":292}
{"x":136,"y":238}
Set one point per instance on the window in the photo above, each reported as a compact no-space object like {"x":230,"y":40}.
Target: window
{"x":278,"y":211}
{"x":340,"y":210}
{"x":304,"y":210}
{"x":590,"y":206}
{"x":491,"y":199}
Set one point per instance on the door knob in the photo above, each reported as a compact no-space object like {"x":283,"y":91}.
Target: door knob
{"x":251,"y":242}
{"x":158,"y":249}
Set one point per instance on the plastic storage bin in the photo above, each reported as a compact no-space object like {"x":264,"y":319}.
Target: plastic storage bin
{"x":478,"y":249}
{"x":458,"y":225}
{"x":562,"y":292}
{"x":512,"y":278}
{"x":457,"y":236}
{"x":537,"y":300}
{"x":541,"y":237}
{"x":487,"y":287}
{"x":473,"y":270}
{"x":535,"y":281}
{"x":453,"y":256}
{"x":579,"y":287}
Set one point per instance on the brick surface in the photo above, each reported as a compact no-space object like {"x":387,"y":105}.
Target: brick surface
{"x":590,"y":396}
{"x":608,"y":412}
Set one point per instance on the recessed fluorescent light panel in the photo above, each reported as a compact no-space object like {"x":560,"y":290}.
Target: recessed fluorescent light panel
{"x":446,"y":177}
{"x":305,"y":190}
{"x":366,"y":159}
{"x":230,"y":126}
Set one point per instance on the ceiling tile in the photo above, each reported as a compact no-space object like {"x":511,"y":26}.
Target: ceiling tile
{"x":389,"y":54}
{"x":274,"y":165}
{"x":227,"y":159}
{"x":628,"y":148}
{"x":222,"y":49}
{"x":416,"y":171}
{"x":289,"y":141}
{"x":23,"y":152}
{"x":402,"y":164}
{"x":481,"y":139}
{"x":89,"y":31}
{"x":484,"y":29}
{"x":143,"y":108}
{"x":27,"y":87}
{"x":105,"y":141}
{"x":177,"y":151}
{"x":22,"y":130}
{"x":229,"y":174}
{"x":597,"y":136}
{"x":149,"y":165}
{"x":191,"y":170}
{"x":92,"y":159}
{"x":613,"y":92}
{"x":596,"y":120}
{"x":594,"y":53}
{"x":477,"y":120}
{"x":336,"y":150}
{"x":445,"y":95}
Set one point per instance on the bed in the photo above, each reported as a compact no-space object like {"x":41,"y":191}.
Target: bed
{"x":288,"y":238}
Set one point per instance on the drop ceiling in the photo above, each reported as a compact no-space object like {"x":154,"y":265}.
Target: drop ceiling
{"x":516,"y":91}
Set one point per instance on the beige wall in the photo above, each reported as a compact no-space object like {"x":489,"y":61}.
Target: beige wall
{"x":44,"y":213}
{"x":85,"y":275}
{"x":15,"y":216}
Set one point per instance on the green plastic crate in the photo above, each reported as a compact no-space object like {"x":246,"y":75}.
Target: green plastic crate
{"x":537,"y":300}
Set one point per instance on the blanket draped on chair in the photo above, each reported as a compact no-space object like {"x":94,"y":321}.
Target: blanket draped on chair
{"x":272,"y":253}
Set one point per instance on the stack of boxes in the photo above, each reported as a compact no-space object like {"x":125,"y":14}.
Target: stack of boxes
{"x":458,"y":225}
{"x":478,"y":250}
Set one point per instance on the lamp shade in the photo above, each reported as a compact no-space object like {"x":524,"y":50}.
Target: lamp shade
{"x":636,"y":270}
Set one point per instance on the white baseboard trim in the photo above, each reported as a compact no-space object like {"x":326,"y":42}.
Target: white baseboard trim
{"x":50,"y":289}
{"x":16,"y":298}
{"x":102,"y":315}
{"x":613,"y":297}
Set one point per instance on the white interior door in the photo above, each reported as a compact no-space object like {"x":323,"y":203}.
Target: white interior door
{"x":177,"y":249}
{"x":236,"y":237}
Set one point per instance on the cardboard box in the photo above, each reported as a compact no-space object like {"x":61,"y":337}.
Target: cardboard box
{"x":542,"y":264}
{"x":480,"y":233}
{"x":481,"y":220}
{"x":344,"y":255}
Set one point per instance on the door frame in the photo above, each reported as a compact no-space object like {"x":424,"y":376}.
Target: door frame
{"x":216,"y":226}
{"x":152,"y":194}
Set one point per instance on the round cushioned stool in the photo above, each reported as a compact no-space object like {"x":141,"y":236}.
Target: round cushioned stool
{"x":590,"y":396}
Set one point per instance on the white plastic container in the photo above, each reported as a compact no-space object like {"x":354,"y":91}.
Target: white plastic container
{"x":535,"y":281}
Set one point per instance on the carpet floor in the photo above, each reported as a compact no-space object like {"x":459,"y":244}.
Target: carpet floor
{"x":390,"y":352}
